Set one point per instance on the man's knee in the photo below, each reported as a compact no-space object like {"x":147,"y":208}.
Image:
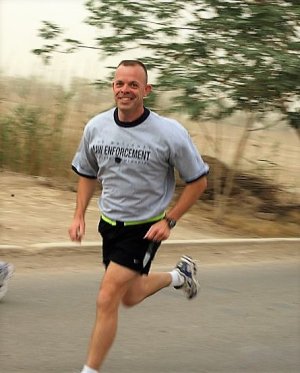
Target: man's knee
{"x":108,"y":298}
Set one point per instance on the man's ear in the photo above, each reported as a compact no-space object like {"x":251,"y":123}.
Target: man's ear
{"x":148,"y":89}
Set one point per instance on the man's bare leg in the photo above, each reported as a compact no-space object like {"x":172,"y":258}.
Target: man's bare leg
{"x":114,"y":284}
{"x":119,"y":284}
{"x":143,"y":286}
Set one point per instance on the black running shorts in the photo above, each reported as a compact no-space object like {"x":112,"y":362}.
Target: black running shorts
{"x":125,"y":245}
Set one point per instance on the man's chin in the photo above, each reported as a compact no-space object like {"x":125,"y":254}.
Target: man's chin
{"x":128,"y":106}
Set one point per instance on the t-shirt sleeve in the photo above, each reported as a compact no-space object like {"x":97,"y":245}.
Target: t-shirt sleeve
{"x":84,"y":162}
{"x":187,"y":159}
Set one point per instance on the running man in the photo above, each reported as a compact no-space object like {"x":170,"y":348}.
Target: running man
{"x":133,"y":152}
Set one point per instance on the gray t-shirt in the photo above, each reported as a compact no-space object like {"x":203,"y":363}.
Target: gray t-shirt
{"x":135,"y":163}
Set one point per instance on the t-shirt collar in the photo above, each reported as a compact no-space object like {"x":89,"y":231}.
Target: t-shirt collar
{"x":136,"y":122}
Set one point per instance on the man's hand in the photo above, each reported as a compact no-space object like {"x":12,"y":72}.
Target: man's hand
{"x":191,"y":193}
{"x":159,"y":231}
{"x":77,"y":230}
{"x":85,"y":191}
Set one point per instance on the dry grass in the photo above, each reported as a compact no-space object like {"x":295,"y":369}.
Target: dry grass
{"x":265,"y":197}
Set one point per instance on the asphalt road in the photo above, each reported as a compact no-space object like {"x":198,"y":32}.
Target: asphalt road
{"x":246,"y":319}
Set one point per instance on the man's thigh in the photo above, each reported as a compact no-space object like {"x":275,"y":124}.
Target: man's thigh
{"x":118,"y":279}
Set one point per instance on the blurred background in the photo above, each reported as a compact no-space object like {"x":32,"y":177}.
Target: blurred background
{"x":227,"y":70}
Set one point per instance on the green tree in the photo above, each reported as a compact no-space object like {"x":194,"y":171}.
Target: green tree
{"x":218,"y":56}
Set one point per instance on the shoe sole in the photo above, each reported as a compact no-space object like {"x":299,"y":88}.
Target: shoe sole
{"x":4,"y":286}
{"x":3,"y":290}
{"x":10,"y":272}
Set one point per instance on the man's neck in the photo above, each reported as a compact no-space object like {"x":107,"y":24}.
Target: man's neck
{"x":127,"y":116}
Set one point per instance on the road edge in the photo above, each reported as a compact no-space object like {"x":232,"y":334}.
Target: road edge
{"x":95,"y":245}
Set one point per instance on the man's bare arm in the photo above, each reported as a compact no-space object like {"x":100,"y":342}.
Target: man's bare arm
{"x":85,"y":191}
{"x":189,"y":196}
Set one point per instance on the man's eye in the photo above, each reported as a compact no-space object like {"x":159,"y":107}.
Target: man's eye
{"x":134,"y":85}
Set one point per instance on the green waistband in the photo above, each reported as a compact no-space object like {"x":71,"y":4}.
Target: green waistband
{"x":137,"y":222}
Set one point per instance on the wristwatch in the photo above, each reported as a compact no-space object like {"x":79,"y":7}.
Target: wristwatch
{"x":171,"y":222}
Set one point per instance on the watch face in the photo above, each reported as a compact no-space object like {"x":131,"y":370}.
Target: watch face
{"x":171,"y":223}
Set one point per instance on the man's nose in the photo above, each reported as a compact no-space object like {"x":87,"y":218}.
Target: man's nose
{"x":125,"y":88}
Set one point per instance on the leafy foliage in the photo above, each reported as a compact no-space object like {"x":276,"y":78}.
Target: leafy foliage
{"x":219,"y":56}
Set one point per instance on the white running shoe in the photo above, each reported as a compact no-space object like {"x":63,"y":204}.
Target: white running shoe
{"x":187,"y":268}
{"x":6,"y":271}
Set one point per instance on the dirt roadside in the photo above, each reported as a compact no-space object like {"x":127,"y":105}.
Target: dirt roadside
{"x":62,"y":259}
{"x":34,"y":212}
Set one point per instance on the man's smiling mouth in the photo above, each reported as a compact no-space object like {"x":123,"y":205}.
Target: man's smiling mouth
{"x":125,"y":99}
